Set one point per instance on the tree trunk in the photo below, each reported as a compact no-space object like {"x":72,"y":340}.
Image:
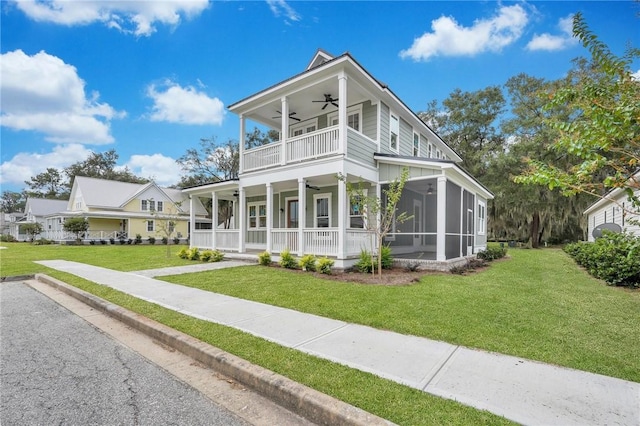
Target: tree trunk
{"x":535,"y":230}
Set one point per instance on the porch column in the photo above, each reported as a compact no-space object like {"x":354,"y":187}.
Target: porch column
{"x":269,"y":215}
{"x":342,"y":112}
{"x":284,"y":131}
{"x":302,"y":213}
{"x":379,"y":214}
{"x":192,"y":220}
{"x":441,"y":215}
{"x":241,"y":145}
{"x":343,"y":206}
{"x":242,"y":220}
{"x":214,"y":219}
{"x":463,"y":217}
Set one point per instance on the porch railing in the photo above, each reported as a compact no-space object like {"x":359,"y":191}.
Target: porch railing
{"x":301,"y":148}
{"x":322,"y":243}
{"x":284,"y":239}
{"x":358,"y":240}
{"x":227,"y":239}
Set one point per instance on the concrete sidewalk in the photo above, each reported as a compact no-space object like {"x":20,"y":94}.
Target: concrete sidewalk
{"x":525,"y":391}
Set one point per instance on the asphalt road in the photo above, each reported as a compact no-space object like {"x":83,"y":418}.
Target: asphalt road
{"x":55,"y":368}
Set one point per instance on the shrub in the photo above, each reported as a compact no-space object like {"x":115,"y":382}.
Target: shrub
{"x":7,"y":238}
{"x":138,"y":239}
{"x":308,"y":263}
{"x":183,"y":253}
{"x":176,"y":240}
{"x":492,"y":253}
{"x":152,"y":240}
{"x":122,"y":241}
{"x":194,"y":254}
{"x":42,"y":242}
{"x":103,"y":242}
{"x":206,"y":255}
{"x":324,"y":265}
{"x":366,"y":262}
{"x":459,"y":270}
{"x":387,"y":258}
{"x":92,"y":242}
{"x":412,"y":266}
{"x":264,"y":258}
{"x":287,"y":260}
{"x":614,"y":258}
{"x":112,"y":240}
{"x":165,"y":241}
{"x":217,"y":256}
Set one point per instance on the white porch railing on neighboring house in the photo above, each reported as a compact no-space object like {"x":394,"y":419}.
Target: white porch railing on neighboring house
{"x":61,"y":235}
{"x":300,"y":148}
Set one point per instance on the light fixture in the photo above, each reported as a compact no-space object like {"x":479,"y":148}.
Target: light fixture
{"x":430,"y":189}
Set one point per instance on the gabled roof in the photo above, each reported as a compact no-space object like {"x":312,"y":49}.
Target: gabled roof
{"x":320,"y":58}
{"x":610,"y":196}
{"x":44,"y":206}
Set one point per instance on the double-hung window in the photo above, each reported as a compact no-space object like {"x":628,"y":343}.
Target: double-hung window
{"x":322,"y":210}
{"x":482,"y":217}
{"x":160,"y":206}
{"x":144,"y":205}
{"x":257,"y":215}
{"x":394,"y":132}
{"x":429,"y":150}
{"x":354,"y":118}
{"x":150,"y":226}
{"x":357,"y":210}
{"x":416,"y":145}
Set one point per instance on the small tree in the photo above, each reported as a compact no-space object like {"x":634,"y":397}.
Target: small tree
{"x":166,"y":222}
{"x":32,"y":229}
{"x":379,"y":216}
{"x":77,"y":225}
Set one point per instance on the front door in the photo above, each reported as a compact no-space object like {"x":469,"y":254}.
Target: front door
{"x":292,"y":213}
{"x":417,"y":223}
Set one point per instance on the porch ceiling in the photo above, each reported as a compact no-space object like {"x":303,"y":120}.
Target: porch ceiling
{"x":301,"y":102}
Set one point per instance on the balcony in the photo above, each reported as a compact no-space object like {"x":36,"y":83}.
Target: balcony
{"x":298,"y":149}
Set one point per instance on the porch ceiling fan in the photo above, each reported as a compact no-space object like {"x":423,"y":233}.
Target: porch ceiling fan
{"x":291,"y":115}
{"x":328,"y":99}
{"x":309,"y":186}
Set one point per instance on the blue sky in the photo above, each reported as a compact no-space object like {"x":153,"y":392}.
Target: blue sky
{"x":150,"y":79}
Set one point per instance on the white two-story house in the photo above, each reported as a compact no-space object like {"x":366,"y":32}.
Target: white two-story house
{"x":336,"y":119}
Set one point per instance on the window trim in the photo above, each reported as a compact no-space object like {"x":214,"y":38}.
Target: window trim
{"x":160,"y":206}
{"x":144,"y":205}
{"x":393,"y":116}
{"x":326,"y":196}
{"x":364,"y":212}
{"x":153,"y":225}
{"x":429,"y":150}
{"x":355,"y":109}
{"x":416,"y":150}
{"x":257,"y":205}
{"x":482,"y":217}
{"x":303,"y":125}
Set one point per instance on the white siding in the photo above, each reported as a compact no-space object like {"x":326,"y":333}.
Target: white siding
{"x":612,"y":213}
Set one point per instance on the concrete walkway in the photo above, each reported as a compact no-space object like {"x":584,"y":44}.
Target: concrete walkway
{"x":525,"y":391}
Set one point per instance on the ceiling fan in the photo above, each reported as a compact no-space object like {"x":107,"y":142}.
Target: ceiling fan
{"x":328,"y":100}
{"x":291,"y":115}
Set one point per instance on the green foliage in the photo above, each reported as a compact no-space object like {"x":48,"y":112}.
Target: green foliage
{"x":206,"y":255}
{"x":386,"y":257}
{"x":365,"y":263}
{"x":492,"y":253}
{"x":614,"y":258}
{"x":264,"y":258}
{"x":165,"y":241}
{"x":183,"y":253}
{"x":138,"y":239}
{"x":7,"y":238}
{"x":287,"y":260}
{"x":308,"y":263}
{"x":42,"y":242}
{"x":194,"y":254}
{"x":152,"y":240}
{"x":324,"y":265}
{"x":217,"y":256}
{"x":176,"y":240}
{"x":77,"y":225}
{"x":32,"y":229}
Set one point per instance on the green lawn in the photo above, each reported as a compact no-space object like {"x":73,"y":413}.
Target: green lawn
{"x":537,"y":305}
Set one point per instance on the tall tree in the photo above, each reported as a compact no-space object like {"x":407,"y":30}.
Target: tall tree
{"x":467,"y":121}
{"x":48,"y":184}
{"x":213,"y":162}
{"x":603,"y":131}
{"x":12,"y":202}
{"x":102,"y":166}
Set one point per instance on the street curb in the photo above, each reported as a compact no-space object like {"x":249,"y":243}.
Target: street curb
{"x":11,"y":278}
{"x":309,"y":403}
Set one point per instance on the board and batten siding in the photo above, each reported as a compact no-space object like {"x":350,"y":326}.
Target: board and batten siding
{"x":481,"y":239}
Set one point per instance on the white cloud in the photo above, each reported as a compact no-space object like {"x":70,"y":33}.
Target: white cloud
{"x":280,"y":7}
{"x":551,"y":42}
{"x":184,"y":105}
{"x":636,"y":75}
{"x":24,"y":165}
{"x":136,"y":17}
{"x":163,"y":170}
{"x":448,"y":38}
{"x":42,"y":93}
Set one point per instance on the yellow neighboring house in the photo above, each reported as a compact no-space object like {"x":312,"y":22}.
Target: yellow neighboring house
{"x":122,"y":210}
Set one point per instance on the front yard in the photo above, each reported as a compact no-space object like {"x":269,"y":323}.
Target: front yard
{"x":536,"y":305}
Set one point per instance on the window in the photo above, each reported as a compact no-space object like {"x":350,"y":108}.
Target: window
{"x":394,"y":132}
{"x":144,"y":205}
{"x":160,"y":206}
{"x":356,"y":212}
{"x":429,"y":150}
{"x":482,"y":217}
{"x":322,"y":210}
{"x":152,"y":205}
{"x":302,"y":128}
{"x":354,"y":118}
{"x":150,"y":225}
{"x":416,"y":145}
{"x":438,"y":154}
{"x":257,"y":215}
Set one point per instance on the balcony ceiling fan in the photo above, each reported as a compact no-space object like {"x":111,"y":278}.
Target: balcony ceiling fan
{"x":291,"y":115}
{"x":328,"y":100}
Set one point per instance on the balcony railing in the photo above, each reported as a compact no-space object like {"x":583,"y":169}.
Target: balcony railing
{"x":300,"y":148}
